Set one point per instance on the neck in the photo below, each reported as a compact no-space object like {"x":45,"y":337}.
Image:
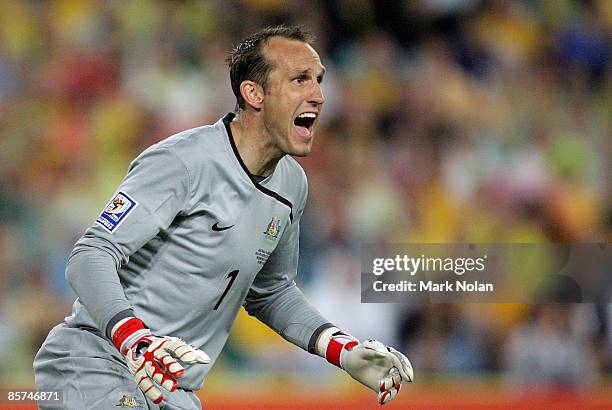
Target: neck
{"x":254,"y":144}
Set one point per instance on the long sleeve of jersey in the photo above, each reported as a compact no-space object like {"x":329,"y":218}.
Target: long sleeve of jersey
{"x":153,"y":192}
{"x":275,"y":299}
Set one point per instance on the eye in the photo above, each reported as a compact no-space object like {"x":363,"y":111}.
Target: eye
{"x":319,"y":79}
{"x":300,"y":79}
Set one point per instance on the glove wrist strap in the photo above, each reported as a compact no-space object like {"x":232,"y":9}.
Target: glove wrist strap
{"x":333,"y":343}
{"x":127,"y":331}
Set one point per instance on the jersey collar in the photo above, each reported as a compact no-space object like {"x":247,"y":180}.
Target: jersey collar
{"x":226,"y":122}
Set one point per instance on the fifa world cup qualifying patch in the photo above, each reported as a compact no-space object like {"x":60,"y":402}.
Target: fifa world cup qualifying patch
{"x":116,"y":211}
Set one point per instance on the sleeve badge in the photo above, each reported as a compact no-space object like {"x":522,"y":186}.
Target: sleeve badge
{"x":116,"y":211}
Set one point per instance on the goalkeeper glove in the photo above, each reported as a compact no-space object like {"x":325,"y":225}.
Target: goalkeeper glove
{"x":152,"y":359}
{"x":381,"y":368}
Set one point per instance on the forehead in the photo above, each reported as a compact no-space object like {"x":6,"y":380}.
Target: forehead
{"x":292,"y":55}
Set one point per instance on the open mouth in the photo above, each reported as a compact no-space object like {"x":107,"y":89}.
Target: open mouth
{"x":306,"y":121}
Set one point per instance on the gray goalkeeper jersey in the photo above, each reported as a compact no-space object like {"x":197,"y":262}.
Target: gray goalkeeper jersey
{"x":188,"y":238}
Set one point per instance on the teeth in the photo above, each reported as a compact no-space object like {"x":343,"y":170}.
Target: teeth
{"x":307,"y":115}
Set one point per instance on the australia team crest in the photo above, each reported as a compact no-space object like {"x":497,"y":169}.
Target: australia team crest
{"x":273,"y":229}
{"x":116,"y":211}
{"x":129,"y":401}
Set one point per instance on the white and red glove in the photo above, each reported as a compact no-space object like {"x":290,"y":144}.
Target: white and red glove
{"x":153,"y":359}
{"x":381,"y":368}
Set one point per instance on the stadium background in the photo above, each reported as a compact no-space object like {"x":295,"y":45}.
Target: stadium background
{"x":445,"y":121}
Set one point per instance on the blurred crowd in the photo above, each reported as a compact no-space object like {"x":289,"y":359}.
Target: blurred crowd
{"x":444,"y":121}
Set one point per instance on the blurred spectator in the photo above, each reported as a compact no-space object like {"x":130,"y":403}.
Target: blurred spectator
{"x":554,"y":348}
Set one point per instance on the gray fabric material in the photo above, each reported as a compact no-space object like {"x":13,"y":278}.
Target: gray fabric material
{"x":167,"y":263}
{"x":275,"y":299}
{"x":158,"y":181}
{"x":92,"y":375}
{"x":289,"y":313}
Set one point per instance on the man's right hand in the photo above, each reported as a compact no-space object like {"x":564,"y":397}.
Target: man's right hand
{"x":153,"y":359}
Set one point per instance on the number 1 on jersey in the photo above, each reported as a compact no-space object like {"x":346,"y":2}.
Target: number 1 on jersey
{"x":232,"y":275}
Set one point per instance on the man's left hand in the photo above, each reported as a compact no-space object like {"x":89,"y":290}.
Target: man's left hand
{"x":379,"y":367}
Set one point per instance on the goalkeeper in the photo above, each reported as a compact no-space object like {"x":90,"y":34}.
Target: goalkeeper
{"x":205,"y":222}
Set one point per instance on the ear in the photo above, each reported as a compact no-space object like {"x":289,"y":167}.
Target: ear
{"x":252,"y":93}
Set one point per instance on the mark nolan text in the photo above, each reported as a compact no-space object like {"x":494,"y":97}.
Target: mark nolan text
{"x":431,"y":286}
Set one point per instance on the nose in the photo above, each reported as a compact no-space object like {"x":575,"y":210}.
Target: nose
{"x":316,"y":97}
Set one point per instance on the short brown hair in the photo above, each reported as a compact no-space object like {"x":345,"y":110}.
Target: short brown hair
{"x":247,"y":62}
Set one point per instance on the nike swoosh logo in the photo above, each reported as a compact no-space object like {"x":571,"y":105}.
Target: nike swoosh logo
{"x":218,"y":228}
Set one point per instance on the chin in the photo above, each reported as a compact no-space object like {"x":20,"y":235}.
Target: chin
{"x":300,"y":152}
{"x":299,"y":148}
